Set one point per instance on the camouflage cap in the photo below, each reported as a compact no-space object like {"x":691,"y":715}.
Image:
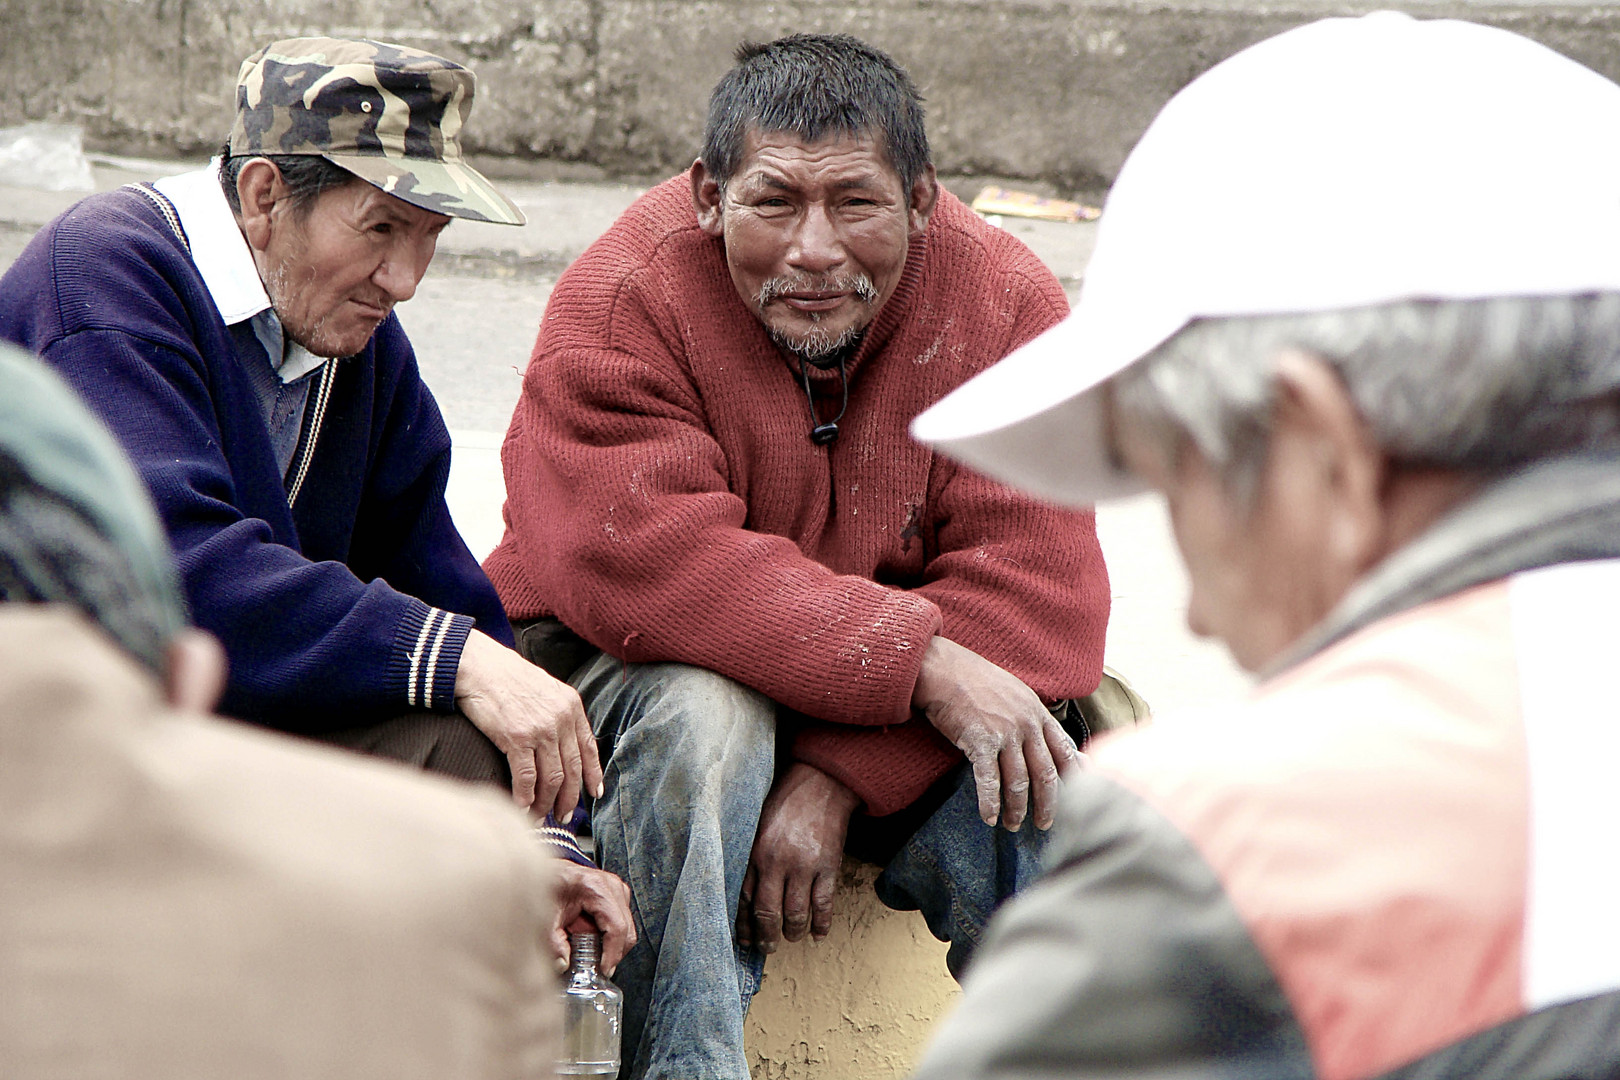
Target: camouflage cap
{"x":389,"y":114}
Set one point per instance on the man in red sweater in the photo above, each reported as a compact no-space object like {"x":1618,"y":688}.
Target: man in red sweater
{"x":805,"y":620}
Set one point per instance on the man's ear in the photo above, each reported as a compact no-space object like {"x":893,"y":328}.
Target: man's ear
{"x":259,"y":187}
{"x":1315,"y":411}
{"x":195,"y":677}
{"x":707,"y":199}
{"x":924,"y":194}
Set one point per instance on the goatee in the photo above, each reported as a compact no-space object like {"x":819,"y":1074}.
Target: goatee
{"x":815,"y":346}
{"x":819,"y":350}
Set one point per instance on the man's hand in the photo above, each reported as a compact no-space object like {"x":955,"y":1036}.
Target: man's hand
{"x":591,"y":899}
{"x":798,"y":850}
{"x":1013,"y":742}
{"x":536,"y":721}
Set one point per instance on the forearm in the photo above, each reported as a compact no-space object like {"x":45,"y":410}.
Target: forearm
{"x":622,"y":516}
{"x":1021,"y":584}
{"x":750,"y":608}
{"x":311,"y":647}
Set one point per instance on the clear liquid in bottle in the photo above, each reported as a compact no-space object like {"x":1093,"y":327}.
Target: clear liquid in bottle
{"x":593,"y":1009}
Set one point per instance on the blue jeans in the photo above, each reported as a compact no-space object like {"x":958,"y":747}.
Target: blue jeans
{"x":690,"y":757}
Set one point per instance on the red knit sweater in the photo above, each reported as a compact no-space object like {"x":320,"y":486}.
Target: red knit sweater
{"x":665,"y":501}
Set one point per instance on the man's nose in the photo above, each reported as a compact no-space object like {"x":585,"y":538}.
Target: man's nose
{"x":402,"y":269}
{"x":817,"y":247}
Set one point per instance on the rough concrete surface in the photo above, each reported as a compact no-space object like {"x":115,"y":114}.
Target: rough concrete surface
{"x":1057,"y":90}
{"x":858,"y":1006}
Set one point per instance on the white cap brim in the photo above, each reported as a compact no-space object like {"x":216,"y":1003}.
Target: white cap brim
{"x":1004,"y":423}
{"x":1345,"y":163}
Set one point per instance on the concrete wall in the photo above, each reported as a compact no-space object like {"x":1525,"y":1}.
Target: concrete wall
{"x":858,"y":1006}
{"x":1050,"y":89}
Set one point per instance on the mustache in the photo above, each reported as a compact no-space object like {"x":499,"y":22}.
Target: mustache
{"x":858,"y":284}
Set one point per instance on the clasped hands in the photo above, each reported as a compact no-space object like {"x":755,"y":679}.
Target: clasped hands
{"x":1018,"y":752}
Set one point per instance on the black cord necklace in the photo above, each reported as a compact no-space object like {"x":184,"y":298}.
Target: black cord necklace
{"x":823,"y":433}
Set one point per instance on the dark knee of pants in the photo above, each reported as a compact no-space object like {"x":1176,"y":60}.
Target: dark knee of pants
{"x":461,"y":750}
{"x":445,"y":743}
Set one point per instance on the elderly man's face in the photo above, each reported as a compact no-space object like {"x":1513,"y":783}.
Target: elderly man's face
{"x":816,"y":234}
{"x":1248,"y":574}
{"x":1327,"y":507}
{"x":336,"y":268}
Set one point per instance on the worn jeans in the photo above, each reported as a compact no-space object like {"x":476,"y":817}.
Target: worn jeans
{"x":690,"y":757}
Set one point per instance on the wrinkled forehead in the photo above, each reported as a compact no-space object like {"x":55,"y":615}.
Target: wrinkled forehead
{"x":844,"y":156}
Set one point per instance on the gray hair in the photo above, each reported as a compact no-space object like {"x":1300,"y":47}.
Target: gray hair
{"x":1475,"y":385}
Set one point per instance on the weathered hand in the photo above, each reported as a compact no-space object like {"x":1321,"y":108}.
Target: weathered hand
{"x":798,"y":850}
{"x":592,"y":899}
{"x":535,"y":720}
{"x":1014,"y":743}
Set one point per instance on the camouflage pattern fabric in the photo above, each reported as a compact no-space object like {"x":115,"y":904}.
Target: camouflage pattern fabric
{"x":389,"y":114}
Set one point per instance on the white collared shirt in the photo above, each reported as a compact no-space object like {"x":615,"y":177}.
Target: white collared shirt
{"x":222,"y":258}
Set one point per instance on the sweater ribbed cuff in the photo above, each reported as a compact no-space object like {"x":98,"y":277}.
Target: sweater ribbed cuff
{"x":563,"y":843}
{"x":428,"y":648}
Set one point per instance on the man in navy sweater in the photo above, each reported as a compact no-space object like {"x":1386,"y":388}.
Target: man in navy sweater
{"x":233,"y":326}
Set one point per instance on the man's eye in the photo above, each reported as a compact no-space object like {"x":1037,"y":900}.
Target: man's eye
{"x":383,"y":228}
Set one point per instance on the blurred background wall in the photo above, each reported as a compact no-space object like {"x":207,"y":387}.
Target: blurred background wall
{"x":1051,"y":90}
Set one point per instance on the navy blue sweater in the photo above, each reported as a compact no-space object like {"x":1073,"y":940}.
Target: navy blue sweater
{"x":350,"y":605}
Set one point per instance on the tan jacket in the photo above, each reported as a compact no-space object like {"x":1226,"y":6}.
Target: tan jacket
{"x":185,"y":897}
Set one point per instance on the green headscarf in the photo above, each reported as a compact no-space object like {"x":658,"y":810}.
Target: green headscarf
{"x":76,"y":524}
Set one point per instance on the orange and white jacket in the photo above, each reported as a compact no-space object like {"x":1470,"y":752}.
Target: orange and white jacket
{"x":1401,"y":857}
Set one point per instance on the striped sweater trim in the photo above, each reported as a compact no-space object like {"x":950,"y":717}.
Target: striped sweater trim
{"x":563,"y":842}
{"x":433,"y":657}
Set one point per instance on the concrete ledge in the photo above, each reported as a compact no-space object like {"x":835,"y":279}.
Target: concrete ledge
{"x":858,"y":1006}
{"x":1052,"y":89}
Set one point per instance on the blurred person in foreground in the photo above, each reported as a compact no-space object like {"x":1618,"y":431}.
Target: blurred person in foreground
{"x":720,"y":532}
{"x":187,"y":897}
{"x":1355,"y":311}
{"x":234,"y":327}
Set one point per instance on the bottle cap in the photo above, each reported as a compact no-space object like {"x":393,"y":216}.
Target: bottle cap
{"x":586,"y":947}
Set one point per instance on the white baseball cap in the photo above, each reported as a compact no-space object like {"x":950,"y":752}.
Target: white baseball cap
{"x":1344,"y":163}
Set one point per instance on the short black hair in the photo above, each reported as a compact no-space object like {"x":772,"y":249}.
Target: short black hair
{"x":814,"y":85}
{"x":306,"y":176}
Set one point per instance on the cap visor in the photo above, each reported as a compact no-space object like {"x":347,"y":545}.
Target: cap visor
{"x":1036,"y":421}
{"x":444,"y":187}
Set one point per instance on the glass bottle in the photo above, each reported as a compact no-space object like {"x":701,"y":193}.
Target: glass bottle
{"x":593,"y":1009}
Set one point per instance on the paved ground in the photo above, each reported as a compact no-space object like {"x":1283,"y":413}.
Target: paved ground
{"x":473,"y":321}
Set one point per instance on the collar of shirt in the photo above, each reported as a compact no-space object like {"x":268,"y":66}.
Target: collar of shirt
{"x":222,"y":258}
